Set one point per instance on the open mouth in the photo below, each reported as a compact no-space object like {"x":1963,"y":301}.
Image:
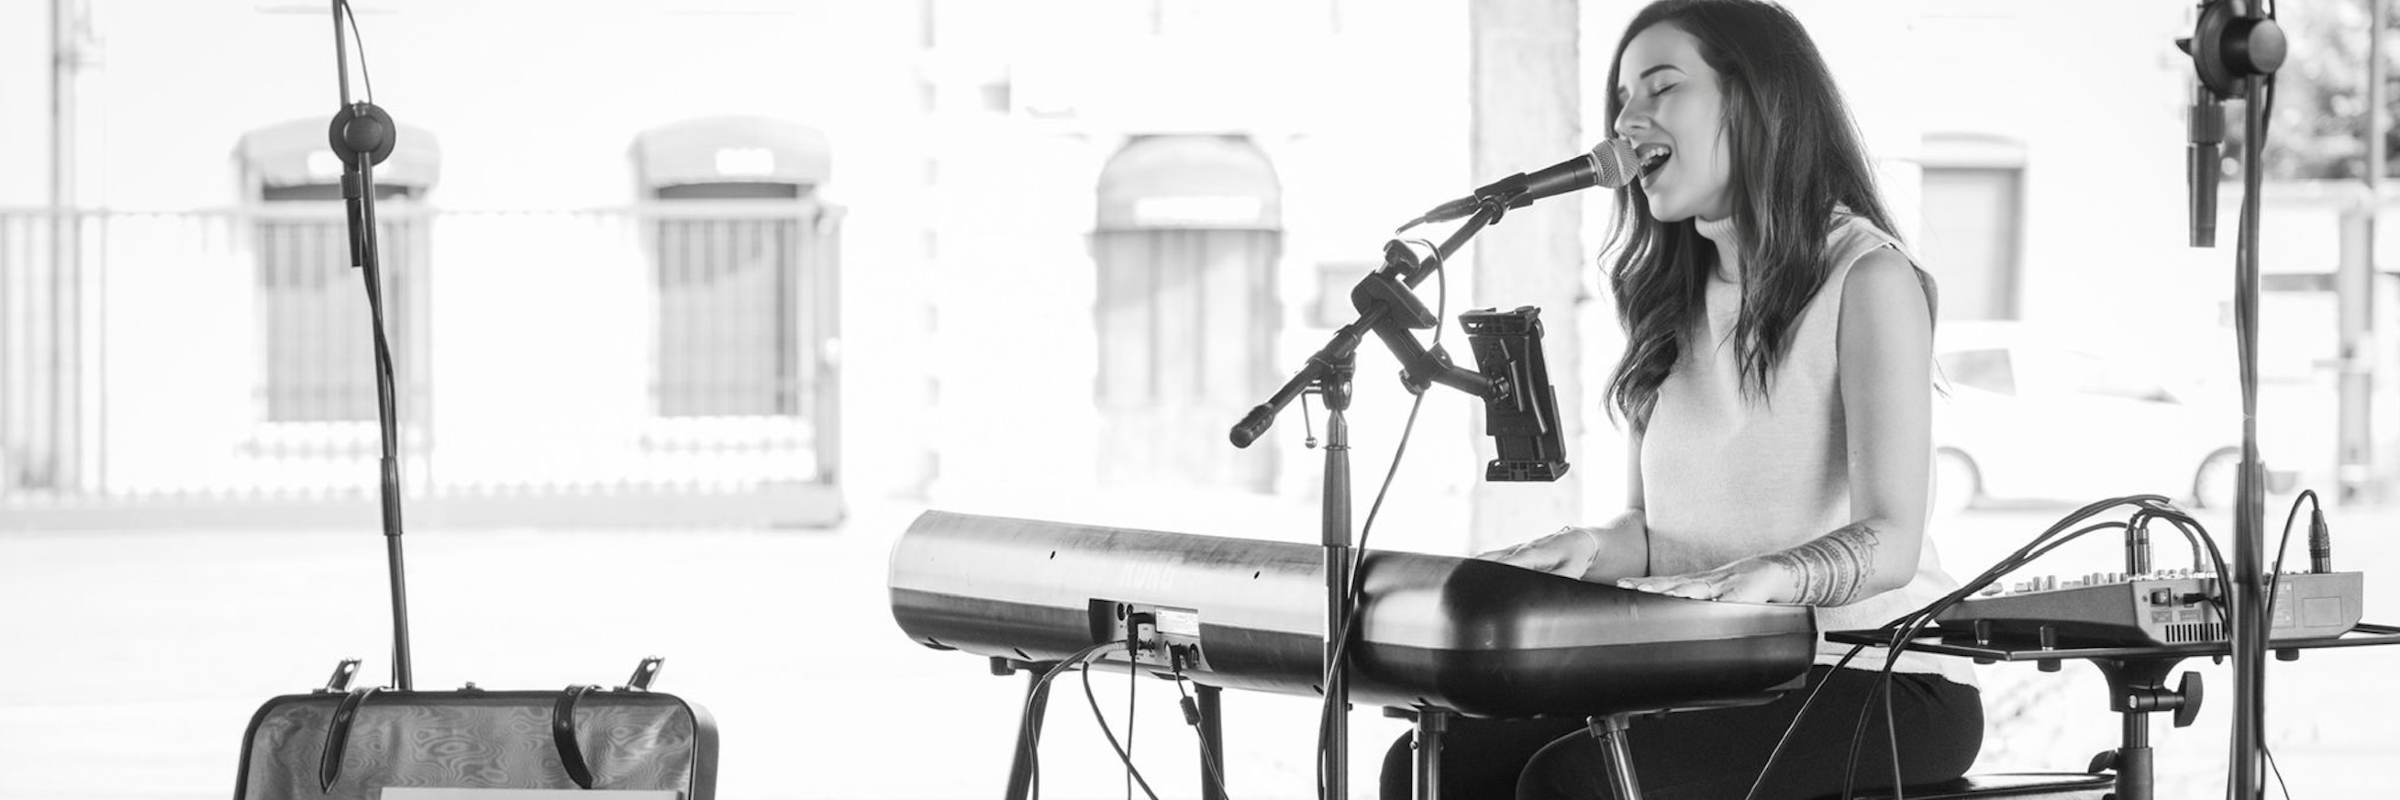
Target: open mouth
{"x":1653,"y":157}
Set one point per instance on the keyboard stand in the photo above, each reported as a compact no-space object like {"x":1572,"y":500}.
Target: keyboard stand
{"x":1207,"y":702}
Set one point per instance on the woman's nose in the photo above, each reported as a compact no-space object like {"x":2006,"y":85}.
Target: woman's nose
{"x":1631,"y":120}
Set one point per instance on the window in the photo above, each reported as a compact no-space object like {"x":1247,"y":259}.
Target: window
{"x":318,"y":335}
{"x":315,"y":333}
{"x":744,"y":262}
{"x":729,"y":317}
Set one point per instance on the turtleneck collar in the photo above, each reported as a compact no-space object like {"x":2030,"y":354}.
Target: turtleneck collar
{"x":1729,"y":246}
{"x":1719,"y":231}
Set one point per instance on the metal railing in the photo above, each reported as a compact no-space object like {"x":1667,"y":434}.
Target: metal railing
{"x":227,"y":351}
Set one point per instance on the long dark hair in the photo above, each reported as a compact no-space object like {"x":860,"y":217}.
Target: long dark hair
{"x":1797,"y":163}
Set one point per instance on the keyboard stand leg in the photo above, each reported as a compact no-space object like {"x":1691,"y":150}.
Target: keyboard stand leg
{"x":1617,"y":754}
{"x":1037,"y":699}
{"x":1212,"y":741}
{"x":1428,"y":746}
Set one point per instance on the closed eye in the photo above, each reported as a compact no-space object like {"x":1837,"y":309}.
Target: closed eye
{"x":1622,"y":99}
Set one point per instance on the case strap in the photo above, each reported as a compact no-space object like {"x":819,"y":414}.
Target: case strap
{"x":562,"y":733}
{"x":337,"y":737}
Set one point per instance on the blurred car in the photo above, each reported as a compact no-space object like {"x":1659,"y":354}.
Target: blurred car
{"x":2026,"y":415}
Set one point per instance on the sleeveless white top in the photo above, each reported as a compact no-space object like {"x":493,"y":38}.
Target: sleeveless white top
{"x":1727,"y":476}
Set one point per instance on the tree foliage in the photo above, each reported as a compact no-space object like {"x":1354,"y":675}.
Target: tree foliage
{"x":2319,"y":125}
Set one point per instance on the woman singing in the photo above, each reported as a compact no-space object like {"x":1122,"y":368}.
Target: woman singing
{"x":1777,"y":384}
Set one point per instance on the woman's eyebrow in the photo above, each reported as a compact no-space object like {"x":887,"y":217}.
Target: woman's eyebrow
{"x":1620,"y":90}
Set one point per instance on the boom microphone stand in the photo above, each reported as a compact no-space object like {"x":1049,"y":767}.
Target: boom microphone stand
{"x":2236,"y":49}
{"x":363,"y":135}
{"x":1387,"y":308}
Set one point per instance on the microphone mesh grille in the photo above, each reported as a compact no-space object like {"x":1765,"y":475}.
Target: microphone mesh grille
{"x":1614,"y":163}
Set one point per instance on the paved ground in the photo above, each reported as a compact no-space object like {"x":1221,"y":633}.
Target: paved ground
{"x":131,"y":661}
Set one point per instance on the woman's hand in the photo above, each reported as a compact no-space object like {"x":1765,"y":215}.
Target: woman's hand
{"x":1750,"y":580}
{"x":1569,"y":552}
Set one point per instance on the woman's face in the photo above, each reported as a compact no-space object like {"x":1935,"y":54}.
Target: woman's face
{"x":1671,"y":101}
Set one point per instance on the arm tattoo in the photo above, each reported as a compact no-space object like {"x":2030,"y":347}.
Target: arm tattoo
{"x":1831,"y":570}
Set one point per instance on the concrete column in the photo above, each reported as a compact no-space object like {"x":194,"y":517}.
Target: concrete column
{"x":1525,"y":93}
{"x":2356,"y":286}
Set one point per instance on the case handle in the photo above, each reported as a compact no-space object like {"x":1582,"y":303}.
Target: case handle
{"x":562,"y":719}
{"x":562,"y":734}
{"x":337,"y":737}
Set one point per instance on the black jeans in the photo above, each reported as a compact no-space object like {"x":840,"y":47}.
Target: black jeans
{"x":1716,"y":754}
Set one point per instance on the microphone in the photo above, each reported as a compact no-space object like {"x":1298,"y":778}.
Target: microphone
{"x":1611,"y":164}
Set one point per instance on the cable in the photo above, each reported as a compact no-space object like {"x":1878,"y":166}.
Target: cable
{"x":2275,"y":577}
{"x":1033,"y":735}
{"x":2278,"y":768}
{"x":2202,"y":560}
{"x":1908,"y":626}
{"x":352,"y":16}
{"x":2032,"y":550}
{"x":1892,"y":731}
{"x":1810,"y":701}
{"x":1325,"y":710}
{"x":1911,"y":625}
{"x":2309,"y":495}
{"x":385,"y":393}
{"x":2199,"y":535}
{"x":1191,"y":716}
{"x":1133,"y":688}
{"x":1788,"y":730}
{"x":1123,"y":756}
{"x":2039,"y":546}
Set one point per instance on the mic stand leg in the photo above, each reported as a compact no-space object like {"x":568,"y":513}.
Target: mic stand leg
{"x":1334,"y":388}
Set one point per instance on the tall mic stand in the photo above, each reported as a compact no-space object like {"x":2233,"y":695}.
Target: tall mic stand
{"x":362,"y":135}
{"x":1386,"y":307}
{"x":2235,"y":49}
